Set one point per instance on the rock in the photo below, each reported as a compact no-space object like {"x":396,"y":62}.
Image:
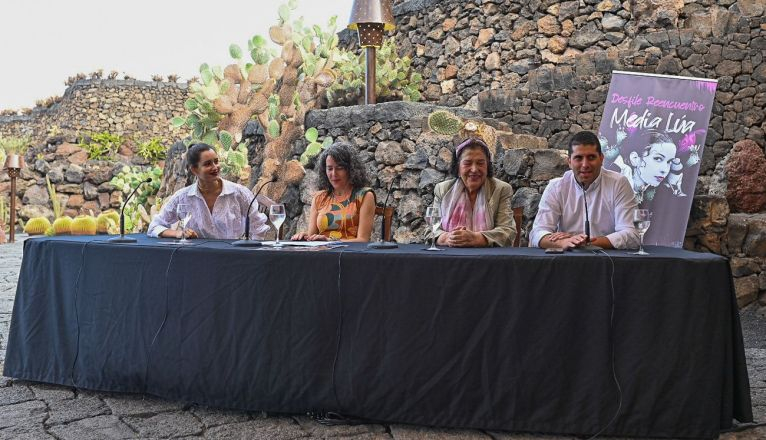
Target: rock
{"x":728,"y":68}
{"x":746,"y":289}
{"x":67,"y":149}
{"x":558,"y":108}
{"x":586,"y":36}
{"x":516,"y":162}
{"x":448,"y":86}
{"x":548,"y":25}
{"x":90,"y":191}
{"x":75,"y":201}
{"x":529,"y":199}
{"x":557,"y":44}
{"x":411,"y":206}
{"x":755,"y":240}
{"x":751,"y":8}
{"x":36,"y":195}
{"x":74,"y":174}
{"x":428,"y":178}
{"x":485,"y":35}
{"x":449,"y":24}
{"x":56,"y":175}
{"x":524,"y":141}
{"x":451,"y":46}
{"x":741,"y":267}
{"x":669,"y":65}
{"x":746,"y":171}
{"x":29,"y":211}
{"x":78,"y":158}
{"x":417,"y":161}
{"x":608,"y":6}
{"x":390,"y":153}
{"x":548,"y":165}
{"x":492,"y":62}
{"x":612,"y":22}
{"x":272,"y":428}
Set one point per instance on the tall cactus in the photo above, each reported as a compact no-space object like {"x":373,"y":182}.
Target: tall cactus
{"x":277,"y":89}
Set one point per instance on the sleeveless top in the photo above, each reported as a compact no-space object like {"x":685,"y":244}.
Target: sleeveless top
{"x":339,"y":219}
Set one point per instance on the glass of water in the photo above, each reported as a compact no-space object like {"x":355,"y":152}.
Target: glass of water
{"x":434,"y":219}
{"x":642,"y":218}
{"x":277,"y":217}
{"x":184,"y":215}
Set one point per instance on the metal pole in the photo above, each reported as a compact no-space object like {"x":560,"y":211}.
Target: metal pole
{"x":370,"y":76}
{"x":13,"y":173}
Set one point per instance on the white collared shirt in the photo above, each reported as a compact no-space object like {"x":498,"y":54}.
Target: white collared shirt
{"x":610,"y":207}
{"x":227,"y":219}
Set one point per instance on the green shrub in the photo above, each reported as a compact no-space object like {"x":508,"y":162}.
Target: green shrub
{"x":152,"y":150}
{"x":102,"y":145}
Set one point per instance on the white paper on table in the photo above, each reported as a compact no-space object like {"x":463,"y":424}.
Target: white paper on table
{"x":301,"y":243}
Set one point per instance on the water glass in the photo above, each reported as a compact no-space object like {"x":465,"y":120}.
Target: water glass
{"x":434,"y":219}
{"x":184,"y":215}
{"x":277,"y":217}
{"x":642,"y":219}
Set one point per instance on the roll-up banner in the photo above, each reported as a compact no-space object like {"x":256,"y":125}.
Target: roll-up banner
{"x":653,"y":132}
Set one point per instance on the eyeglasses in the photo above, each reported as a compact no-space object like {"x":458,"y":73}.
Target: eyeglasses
{"x":470,"y":141}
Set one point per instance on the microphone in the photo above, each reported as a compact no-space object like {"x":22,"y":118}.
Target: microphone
{"x":381,"y":244}
{"x":246,"y":242}
{"x":122,"y":238}
{"x":587,"y":246}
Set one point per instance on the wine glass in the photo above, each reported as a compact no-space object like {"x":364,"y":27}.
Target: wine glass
{"x":184,"y":215}
{"x":434,"y":219}
{"x":642,"y":218}
{"x":277,"y":217}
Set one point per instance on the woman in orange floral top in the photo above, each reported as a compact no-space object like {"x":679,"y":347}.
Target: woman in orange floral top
{"x":344,"y":208}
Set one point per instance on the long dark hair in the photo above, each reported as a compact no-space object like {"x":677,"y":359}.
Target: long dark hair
{"x":470,"y":144}
{"x":344,"y":155}
{"x":194,"y":153}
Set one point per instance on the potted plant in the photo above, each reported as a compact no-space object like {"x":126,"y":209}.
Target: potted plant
{"x":14,"y":148}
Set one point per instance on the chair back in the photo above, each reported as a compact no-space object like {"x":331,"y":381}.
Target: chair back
{"x":518,"y":216}
{"x":388,"y":217}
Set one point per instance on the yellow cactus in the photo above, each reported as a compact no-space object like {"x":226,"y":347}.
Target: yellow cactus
{"x":107,"y":220}
{"x":62,"y":225}
{"x":84,"y":225}
{"x":37,"y":226}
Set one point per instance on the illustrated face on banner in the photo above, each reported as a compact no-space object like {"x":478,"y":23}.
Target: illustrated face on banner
{"x":654,"y":165}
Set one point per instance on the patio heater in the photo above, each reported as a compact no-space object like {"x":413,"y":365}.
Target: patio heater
{"x":370,"y":18}
{"x":13,"y":163}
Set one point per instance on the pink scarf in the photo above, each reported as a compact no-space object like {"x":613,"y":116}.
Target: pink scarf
{"x":456,"y":210}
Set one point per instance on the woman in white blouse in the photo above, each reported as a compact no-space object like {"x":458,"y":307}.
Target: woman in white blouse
{"x":218,"y":207}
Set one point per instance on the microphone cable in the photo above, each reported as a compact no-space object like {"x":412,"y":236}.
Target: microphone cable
{"x":611,"y":343}
{"x":76,"y":313}
{"x":167,"y":307}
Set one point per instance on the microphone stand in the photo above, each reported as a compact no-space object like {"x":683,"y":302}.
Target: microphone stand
{"x":587,"y":246}
{"x":380,"y":244}
{"x":122,"y":238}
{"x":246,"y":242}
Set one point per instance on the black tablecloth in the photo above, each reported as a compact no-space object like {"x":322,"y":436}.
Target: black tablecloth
{"x":502,"y":339}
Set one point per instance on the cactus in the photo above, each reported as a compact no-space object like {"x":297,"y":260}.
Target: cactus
{"x":394,"y":77}
{"x":444,"y":122}
{"x":55,"y":201}
{"x":84,"y":225}
{"x":62,"y":225}
{"x":37,"y":226}
{"x":106,"y":222}
{"x":276,"y":89}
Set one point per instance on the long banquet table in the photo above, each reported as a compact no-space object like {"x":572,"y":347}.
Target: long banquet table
{"x":499,"y":339}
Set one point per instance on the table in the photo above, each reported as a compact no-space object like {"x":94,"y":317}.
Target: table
{"x":498,"y":339}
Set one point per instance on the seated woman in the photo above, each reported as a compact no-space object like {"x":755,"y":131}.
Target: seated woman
{"x":218,"y":207}
{"x":475,"y":207}
{"x":344,"y":207}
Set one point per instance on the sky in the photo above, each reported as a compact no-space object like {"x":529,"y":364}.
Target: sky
{"x":43,"y":42}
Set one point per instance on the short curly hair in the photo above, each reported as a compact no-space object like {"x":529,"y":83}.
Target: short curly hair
{"x":344,"y":155}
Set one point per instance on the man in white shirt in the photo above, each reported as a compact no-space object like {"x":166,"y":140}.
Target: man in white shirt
{"x":560,"y":220}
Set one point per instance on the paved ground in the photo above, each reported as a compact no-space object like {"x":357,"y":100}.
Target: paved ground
{"x":38,"y":411}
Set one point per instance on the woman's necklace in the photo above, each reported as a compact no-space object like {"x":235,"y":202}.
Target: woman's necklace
{"x":208,"y":191}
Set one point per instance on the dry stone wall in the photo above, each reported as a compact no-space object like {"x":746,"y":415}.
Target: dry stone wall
{"x":141,"y":110}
